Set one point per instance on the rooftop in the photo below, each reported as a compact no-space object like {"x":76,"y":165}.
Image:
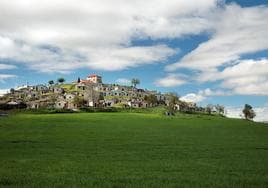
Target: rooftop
{"x":93,"y":75}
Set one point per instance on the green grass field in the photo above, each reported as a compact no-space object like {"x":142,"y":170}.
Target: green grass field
{"x":132,"y":150}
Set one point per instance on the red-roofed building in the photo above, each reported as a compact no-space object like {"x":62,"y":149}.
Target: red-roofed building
{"x":91,"y":79}
{"x":94,"y":78}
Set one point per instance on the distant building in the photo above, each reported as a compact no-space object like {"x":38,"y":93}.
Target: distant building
{"x":91,"y":79}
{"x":94,"y":78}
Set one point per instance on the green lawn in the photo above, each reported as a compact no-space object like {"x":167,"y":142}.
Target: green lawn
{"x":132,"y":150}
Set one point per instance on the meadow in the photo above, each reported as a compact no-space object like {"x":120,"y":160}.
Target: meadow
{"x":132,"y":150}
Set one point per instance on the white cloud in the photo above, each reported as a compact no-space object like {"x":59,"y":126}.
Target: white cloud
{"x":201,"y":95}
{"x":208,"y":92}
{"x":234,"y":112}
{"x":237,"y":31}
{"x":261,"y":114}
{"x":4,"y":77}
{"x":50,"y":59}
{"x":122,"y":58}
{"x":6,"y":66}
{"x":171,"y":80}
{"x":192,"y":97}
{"x":247,"y":85}
{"x":232,"y":38}
{"x":123,"y":81}
{"x":4,"y":91}
{"x":246,"y":77}
{"x":95,"y":34}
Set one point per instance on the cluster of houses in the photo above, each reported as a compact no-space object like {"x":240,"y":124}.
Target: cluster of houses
{"x":89,"y":92}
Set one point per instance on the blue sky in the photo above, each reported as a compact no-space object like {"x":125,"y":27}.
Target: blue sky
{"x":208,"y":51}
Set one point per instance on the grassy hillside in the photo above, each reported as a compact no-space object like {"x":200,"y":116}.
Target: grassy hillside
{"x":131,"y":150}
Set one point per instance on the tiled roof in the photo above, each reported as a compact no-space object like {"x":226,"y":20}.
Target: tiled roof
{"x":93,"y":75}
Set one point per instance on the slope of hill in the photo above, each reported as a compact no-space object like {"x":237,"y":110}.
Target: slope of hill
{"x":132,"y":150}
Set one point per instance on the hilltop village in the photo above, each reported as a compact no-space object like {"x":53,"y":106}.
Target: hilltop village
{"x":91,"y":92}
{"x":86,"y":93}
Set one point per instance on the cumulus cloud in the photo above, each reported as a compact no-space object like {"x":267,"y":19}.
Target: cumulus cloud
{"x":201,"y":95}
{"x":60,"y":36}
{"x":249,"y":77}
{"x":247,"y":33}
{"x":46,"y":58}
{"x":122,"y":58}
{"x":246,"y":77}
{"x":192,"y":97}
{"x":171,"y":80}
{"x":220,"y":58}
